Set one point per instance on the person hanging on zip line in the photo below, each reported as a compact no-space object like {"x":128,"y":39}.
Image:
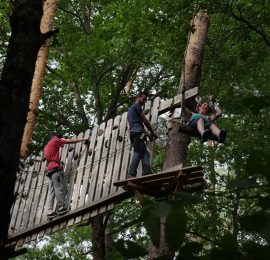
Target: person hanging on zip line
{"x":202,"y":122}
{"x":137,"y":121}
{"x":54,"y":170}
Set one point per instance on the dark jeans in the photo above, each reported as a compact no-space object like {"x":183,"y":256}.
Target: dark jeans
{"x":140,"y":152}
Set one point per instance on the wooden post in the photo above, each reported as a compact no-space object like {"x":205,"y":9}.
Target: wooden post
{"x":177,"y":143}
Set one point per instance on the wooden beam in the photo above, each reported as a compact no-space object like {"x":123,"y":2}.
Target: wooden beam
{"x":113,"y":198}
{"x":166,"y":105}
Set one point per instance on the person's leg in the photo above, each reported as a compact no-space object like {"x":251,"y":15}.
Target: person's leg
{"x":51,"y":196}
{"x":214,"y":129}
{"x":57,"y":179}
{"x":200,"y":126}
{"x":137,"y":153}
{"x":146,"y":164}
{"x":134,"y":164}
{"x":220,"y":133}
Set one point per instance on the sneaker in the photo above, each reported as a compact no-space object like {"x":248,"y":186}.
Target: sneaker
{"x":51,"y":215}
{"x":62,"y":211}
{"x":222,"y":136}
{"x":205,"y":136}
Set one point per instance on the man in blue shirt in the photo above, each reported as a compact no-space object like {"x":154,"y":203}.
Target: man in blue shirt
{"x":137,"y":121}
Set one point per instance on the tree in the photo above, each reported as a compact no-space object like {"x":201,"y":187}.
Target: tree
{"x":23,"y":47}
{"x":49,"y":9}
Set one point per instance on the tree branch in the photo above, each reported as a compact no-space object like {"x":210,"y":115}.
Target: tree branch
{"x":249,"y":25}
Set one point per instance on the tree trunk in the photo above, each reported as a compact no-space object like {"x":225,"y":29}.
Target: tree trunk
{"x":177,"y":143}
{"x":49,"y":9}
{"x":98,"y":237}
{"x":15,"y":87}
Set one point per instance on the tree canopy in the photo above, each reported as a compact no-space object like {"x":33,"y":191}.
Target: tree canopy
{"x":104,"y":47}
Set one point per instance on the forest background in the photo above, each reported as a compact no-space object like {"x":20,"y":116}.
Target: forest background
{"x":103,"y":47}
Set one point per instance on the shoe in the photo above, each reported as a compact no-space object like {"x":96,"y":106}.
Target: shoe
{"x":51,"y":215}
{"x":62,"y":211}
{"x":222,"y":136}
{"x":205,"y":136}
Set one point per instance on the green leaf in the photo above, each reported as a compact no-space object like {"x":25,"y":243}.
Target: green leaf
{"x":151,"y":222}
{"x":129,"y":249}
{"x":258,"y":222}
{"x":191,"y":249}
{"x":258,"y":163}
{"x":228,"y":243}
{"x":175,"y":226}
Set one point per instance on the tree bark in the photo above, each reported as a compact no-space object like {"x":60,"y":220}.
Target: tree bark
{"x":15,"y":87}
{"x":98,"y":237}
{"x":177,"y":143}
{"x":49,"y":9}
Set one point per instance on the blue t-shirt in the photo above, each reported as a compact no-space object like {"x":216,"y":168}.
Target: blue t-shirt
{"x":197,"y":116}
{"x":134,"y":120}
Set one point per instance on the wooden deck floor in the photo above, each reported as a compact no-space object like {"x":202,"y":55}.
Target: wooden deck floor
{"x":164,"y":183}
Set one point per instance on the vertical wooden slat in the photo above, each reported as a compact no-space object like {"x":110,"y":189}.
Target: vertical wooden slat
{"x":111,"y":160}
{"x":37,"y":192}
{"x":31,"y":192}
{"x":154,"y":121}
{"x":126,"y":151}
{"x":103,"y":163}
{"x":96,"y":164}
{"x":80,"y":171}
{"x":119,"y":151}
{"x":24,"y":195}
{"x":73,"y":174}
{"x":43,"y":194}
{"x":18,"y":198}
{"x":88,"y":169}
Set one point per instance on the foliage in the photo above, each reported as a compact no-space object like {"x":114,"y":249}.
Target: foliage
{"x":104,"y":44}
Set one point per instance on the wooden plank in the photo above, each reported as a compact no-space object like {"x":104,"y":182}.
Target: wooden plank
{"x":121,"y":158}
{"x":96,"y":164}
{"x":153,"y":122}
{"x":111,"y":160}
{"x":24,"y":202}
{"x":165,"y":106}
{"x":80,"y":171}
{"x":43,"y":194}
{"x":113,"y":198}
{"x":169,"y":172}
{"x":88,"y":168}
{"x":126,"y":151}
{"x":37,"y":191}
{"x":73,"y":173}
{"x":103,"y":163}
{"x":21,"y":183}
{"x":16,"y":190}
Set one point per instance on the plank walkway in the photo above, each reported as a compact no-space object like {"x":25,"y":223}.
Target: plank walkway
{"x":164,"y":184}
{"x":90,"y":171}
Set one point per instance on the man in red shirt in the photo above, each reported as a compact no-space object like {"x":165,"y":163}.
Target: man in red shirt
{"x":54,"y":171}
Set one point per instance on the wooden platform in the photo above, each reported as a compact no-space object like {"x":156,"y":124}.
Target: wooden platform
{"x":90,"y":171}
{"x":164,"y":183}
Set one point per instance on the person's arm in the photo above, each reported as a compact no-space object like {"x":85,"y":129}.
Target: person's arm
{"x":73,"y":141}
{"x":148,"y":125}
{"x":217,"y":111}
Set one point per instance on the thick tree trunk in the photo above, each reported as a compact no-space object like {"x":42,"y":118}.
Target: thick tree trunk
{"x":49,"y":9}
{"x":177,"y":143}
{"x":15,"y":87}
{"x":98,"y":237}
